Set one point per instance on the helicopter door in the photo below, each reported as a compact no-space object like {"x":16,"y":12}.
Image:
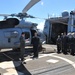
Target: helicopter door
{"x":27,"y":38}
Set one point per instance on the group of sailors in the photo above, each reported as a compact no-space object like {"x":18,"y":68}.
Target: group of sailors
{"x":35,"y":43}
{"x":66,"y":43}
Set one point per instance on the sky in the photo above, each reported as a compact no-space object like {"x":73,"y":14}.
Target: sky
{"x":42,"y":9}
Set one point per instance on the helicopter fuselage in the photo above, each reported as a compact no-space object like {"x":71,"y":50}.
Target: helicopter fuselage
{"x":9,"y":38}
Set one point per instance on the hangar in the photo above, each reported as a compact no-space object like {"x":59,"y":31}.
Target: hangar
{"x":55,"y":26}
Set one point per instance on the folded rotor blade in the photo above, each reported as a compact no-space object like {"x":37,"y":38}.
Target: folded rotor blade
{"x":36,"y":17}
{"x":4,"y":15}
{"x":30,"y":4}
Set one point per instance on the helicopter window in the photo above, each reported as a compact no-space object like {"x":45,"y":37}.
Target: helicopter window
{"x":11,"y":34}
{"x":27,"y":35}
{"x":14,"y":34}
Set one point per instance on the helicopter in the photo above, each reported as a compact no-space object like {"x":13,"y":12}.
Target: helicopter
{"x":11,"y":28}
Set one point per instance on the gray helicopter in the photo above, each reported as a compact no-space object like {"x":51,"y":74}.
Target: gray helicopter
{"x":11,"y":28}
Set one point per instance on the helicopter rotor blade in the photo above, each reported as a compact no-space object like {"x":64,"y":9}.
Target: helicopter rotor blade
{"x":23,"y":14}
{"x":4,"y":15}
{"x":30,"y":16}
{"x":30,"y":4}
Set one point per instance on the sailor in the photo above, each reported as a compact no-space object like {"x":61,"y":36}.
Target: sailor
{"x":61,"y":41}
{"x":73,"y":45}
{"x":58,"y":42}
{"x":69,"y":41}
{"x":35,"y":42}
{"x":64,"y":43}
{"x":22,"y":46}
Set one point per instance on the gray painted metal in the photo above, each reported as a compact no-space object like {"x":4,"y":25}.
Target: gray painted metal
{"x":30,"y":4}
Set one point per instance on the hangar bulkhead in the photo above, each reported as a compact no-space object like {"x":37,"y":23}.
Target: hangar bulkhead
{"x":55,"y":26}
